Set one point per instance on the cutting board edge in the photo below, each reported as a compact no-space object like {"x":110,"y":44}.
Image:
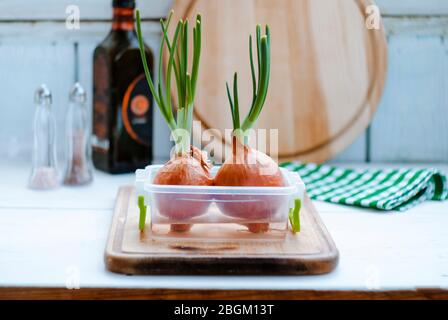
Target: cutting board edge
{"x":137,"y":264}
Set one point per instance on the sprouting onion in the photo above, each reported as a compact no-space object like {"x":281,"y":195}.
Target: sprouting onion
{"x":247,"y":166}
{"x":187,"y":166}
{"x":185,"y":80}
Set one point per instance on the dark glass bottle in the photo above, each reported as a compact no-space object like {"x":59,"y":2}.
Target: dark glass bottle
{"x":122,"y":101}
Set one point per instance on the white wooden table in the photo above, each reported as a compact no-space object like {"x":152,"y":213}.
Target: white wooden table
{"x":56,"y":239}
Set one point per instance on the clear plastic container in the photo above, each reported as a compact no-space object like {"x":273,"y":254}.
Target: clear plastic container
{"x":198,"y":212}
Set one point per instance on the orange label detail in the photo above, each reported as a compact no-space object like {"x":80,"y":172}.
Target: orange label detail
{"x":135,"y":108}
{"x":139,"y":105}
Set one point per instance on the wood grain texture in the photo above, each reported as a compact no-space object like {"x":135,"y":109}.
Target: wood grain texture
{"x":128,"y":251}
{"x":378,"y":251}
{"x":174,"y":294}
{"x":327,"y":70}
{"x":23,"y":68}
{"x":413,"y":7}
{"x":101,"y":9}
{"x":412,"y":123}
{"x":418,"y":27}
{"x":55,"y":31}
{"x":89,"y":10}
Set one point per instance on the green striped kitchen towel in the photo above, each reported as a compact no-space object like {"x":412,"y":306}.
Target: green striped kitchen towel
{"x":383,"y":189}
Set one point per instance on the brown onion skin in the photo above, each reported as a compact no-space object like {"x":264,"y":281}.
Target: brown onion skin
{"x":245,"y":168}
{"x":189,"y":170}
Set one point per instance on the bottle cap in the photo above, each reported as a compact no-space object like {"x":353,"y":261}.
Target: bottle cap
{"x":77,"y":93}
{"x":123,"y":4}
{"x":42,"y":95}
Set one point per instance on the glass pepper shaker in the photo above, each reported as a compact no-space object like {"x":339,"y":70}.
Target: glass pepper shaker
{"x":79,"y":160}
{"x":44,"y":174}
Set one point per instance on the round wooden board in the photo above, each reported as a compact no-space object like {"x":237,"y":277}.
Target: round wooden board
{"x":327,"y":70}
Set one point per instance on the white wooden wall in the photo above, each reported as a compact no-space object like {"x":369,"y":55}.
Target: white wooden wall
{"x":411,"y":124}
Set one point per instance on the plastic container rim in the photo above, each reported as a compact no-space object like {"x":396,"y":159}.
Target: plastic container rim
{"x":295,"y":185}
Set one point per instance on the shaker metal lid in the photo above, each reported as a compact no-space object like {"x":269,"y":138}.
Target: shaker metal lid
{"x":42,"y":95}
{"x":77,"y":93}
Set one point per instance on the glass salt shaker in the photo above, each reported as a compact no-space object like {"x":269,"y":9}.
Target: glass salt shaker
{"x":78,"y":169}
{"x":44,"y":174}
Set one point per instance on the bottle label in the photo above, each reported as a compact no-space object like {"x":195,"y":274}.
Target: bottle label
{"x":136,"y":111}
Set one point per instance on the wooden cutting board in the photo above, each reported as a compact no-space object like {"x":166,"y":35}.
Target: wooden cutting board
{"x":327,"y":70}
{"x":130,"y":251}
